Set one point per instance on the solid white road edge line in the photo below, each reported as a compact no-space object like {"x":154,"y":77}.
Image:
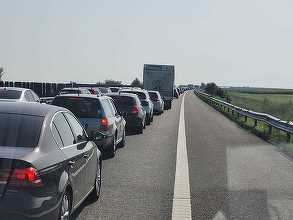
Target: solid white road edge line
{"x":181,"y":200}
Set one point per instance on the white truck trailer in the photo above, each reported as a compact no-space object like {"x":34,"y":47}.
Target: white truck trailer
{"x":160,"y":78}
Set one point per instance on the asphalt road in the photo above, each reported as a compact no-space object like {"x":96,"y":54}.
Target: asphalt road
{"x":232,"y":173}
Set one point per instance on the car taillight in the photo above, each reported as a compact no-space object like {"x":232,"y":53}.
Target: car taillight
{"x":25,"y":176}
{"x":104,"y":123}
{"x":134,"y":110}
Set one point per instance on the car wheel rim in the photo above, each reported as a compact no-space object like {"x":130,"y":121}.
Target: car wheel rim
{"x":65,"y":211}
{"x":98,"y":180}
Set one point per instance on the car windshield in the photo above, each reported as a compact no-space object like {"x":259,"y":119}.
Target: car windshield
{"x":153,"y":95}
{"x":80,"y":107}
{"x":18,"y":130}
{"x":9,"y":94}
{"x":124,"y":100}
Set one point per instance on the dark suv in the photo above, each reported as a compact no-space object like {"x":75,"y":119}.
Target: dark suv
{"x":130,"y":108}
{"x":145,"y":100}
{"x":97,"y":115}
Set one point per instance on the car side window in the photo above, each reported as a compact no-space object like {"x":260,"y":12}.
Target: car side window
{"x":36,"y":97}
{"x":107,"y":108}
{"x":64,"y":129}
{"x":113,"y":107}
{"x":28,"y":96}
{"x":56,"y":135}
{"x":78,"y":130}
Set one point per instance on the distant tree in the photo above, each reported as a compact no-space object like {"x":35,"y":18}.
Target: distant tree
{"x":211,"y":88}
{"x":214,"y":90}
{"x":111,"y":82}
{"x":1,"y":73}
{"x":202,"y":86}
{"x":136,"y":83}
{"x":100,"y":84}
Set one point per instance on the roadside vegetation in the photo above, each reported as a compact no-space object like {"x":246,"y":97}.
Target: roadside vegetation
{"x":276,"y":102}
{"x":278,"y":105}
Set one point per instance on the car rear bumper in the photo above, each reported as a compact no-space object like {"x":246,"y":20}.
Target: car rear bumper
{"x":158,"y":109}
{"x":26,"y":206}
{"x":105,"y":144}
{"x":133,"y":122}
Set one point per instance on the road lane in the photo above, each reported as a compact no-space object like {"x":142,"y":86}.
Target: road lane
{"x":233,"y":174}
{"x":139,"y":182}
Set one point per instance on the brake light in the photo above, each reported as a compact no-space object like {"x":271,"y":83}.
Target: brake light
{"x":134,"y":110}
{"x":104,"y":123}
{"x":25,"y":176}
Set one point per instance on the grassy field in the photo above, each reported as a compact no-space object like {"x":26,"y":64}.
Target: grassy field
{"x":278,"y":105}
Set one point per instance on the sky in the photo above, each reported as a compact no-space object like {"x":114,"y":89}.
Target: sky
{"x":230,"y":42}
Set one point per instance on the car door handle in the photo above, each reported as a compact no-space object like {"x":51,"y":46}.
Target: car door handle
{"x":85,"y":156}
{"x":71,"y":162}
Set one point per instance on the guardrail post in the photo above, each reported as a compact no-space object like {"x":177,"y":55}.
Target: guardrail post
{"x":270,"y":129}
{"x":232,"y":112}
{"x":228,"y":109}
{"x":245,"y":118}
{"x":255,"y":122}
{"x":288,"y":137}
{"x":238,"y":115}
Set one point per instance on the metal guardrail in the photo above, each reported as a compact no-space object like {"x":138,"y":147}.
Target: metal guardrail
{"x":271,"y":121}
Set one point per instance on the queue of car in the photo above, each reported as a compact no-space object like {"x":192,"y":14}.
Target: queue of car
{"x":51,"y":155}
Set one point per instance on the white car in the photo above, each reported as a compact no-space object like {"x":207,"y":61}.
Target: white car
{"x":15,"y":94}
{"x":158,"y":102}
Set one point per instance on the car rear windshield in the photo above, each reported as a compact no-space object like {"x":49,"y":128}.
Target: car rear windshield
{"x":140,"y":95}
{"x":9,"y":94}
{"x":70,"y":91}
{"x":80,"y":107}
{"x":114,"y":89}
{"x":104,"y":90}
{"x":20,"y":130}
{"x":124,"y":100}
{"x":154,"y":95}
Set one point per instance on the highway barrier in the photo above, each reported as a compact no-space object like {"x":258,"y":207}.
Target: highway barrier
{"x":271,"y":121}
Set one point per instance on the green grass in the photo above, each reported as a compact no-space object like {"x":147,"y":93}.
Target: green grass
{"x":252,"y":90}
{"x":278,"y":105}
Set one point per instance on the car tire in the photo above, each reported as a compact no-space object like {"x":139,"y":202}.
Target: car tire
{"x":98,"y":182}
{"x":148,"y":120}
{"x":144,"y":124}
{"x":65,"y":206}
{"x":152,"y":119}
{"x":112,"y":150}
{"x":123,"y":141}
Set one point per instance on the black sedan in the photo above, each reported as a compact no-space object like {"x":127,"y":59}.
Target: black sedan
{"x":130,"y":108}
{"x":48,"y":164}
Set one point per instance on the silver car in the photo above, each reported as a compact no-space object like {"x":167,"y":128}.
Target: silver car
{"x":15,"y":94}
{"x":158,"y":102}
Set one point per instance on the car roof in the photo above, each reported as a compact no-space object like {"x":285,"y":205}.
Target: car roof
{"x":28,"y":108}
{"x":123,"y":94}
{"x":152,"y":91}
{"x":132,"y":90}
{"x":14,"y":88}
{"x":74,"y":88}
{"x":78,"y":95}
